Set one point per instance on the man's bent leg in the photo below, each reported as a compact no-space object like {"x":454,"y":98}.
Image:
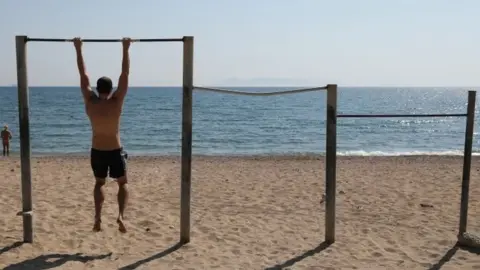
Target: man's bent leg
{"x":8,"y":149}
{"x":99,"y":198}
{"x":118,"y":170}
{"x":4,"y":149}
{"x":100,"y":171}
{"x":122,"y":198}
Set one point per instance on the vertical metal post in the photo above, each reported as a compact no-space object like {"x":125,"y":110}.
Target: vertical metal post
{"x":186,"y":173}
{"x":331,"y":163}
{"x":24,"y":121}
{"x":467,"y":162}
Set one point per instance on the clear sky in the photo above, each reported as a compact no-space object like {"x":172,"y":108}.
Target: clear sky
{"x":252,"y":42}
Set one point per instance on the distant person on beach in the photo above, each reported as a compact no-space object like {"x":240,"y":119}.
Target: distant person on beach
{"x":6,"y":137}
{"x":107,"y":156}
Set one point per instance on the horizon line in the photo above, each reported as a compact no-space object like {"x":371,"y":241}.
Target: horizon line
{"x":269,"y":86}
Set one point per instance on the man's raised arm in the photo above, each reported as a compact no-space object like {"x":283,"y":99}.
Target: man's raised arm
{"x":84,"y":80}
{"x":123,"y":80}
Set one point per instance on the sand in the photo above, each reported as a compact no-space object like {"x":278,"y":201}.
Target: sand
{"x":247,"y":213}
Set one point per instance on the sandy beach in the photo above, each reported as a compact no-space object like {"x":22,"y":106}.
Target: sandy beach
{"x":247,"y":213}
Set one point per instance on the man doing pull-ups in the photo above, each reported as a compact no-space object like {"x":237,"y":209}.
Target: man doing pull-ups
{"x":107,"y":156}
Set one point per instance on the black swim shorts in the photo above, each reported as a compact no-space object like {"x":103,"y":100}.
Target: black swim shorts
{"x":112,"y":162}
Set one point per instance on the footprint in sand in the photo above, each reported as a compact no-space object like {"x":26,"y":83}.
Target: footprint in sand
{"x":377,"y":254}
{"x":391,"y":250}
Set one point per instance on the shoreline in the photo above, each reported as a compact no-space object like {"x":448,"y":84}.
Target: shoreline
{"x":248,"y":156}
{"x":318,"y":159}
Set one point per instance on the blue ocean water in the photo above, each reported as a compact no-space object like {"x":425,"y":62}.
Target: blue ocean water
{"x":244,"y":125}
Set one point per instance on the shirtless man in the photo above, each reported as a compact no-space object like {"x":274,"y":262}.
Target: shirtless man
{"x":6,"y":137}
{"x":107,"y":156}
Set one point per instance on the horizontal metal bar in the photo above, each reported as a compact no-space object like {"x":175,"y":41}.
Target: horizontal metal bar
{"x":398,"y":115}
{"x":106,"y":40}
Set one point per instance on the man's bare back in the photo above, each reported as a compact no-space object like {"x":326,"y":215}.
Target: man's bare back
{"x":104,"y":118}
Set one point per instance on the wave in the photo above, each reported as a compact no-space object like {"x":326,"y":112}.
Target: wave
{"x":357,"y":153}
{"x":404,"y":153}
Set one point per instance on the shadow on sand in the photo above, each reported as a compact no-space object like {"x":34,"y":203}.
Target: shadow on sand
{"x":54,"y":260}
{"x":449,"y":255}
{"x":152,"y":258}
{"x":10,"y":247}
{"x":294,"y":260}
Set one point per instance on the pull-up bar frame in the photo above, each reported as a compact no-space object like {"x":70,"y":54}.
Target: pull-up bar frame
{"x":24,"y":121}
{"x":107,"y":40}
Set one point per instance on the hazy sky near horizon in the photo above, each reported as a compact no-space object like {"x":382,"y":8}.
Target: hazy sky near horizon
{"x":252,"y":42}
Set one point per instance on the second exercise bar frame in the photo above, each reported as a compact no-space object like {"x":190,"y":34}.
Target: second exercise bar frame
{"x":330,"y":163}
{"x":25,"y":149}
{"x":331,"y":156}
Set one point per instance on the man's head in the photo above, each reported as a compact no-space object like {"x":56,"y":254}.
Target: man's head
{"x":5,"y":127}
{"x":104,"y":87}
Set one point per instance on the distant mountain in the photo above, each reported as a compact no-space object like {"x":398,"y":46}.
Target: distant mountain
{"x":265,"y":82}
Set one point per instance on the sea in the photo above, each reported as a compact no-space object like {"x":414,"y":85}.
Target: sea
{"x":250,"y":125}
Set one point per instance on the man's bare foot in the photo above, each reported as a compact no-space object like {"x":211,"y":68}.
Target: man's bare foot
{"x":97,"y":226}
{"x":121,"y":225}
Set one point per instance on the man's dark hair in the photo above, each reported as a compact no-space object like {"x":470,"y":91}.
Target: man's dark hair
{"x":104,"y":85}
